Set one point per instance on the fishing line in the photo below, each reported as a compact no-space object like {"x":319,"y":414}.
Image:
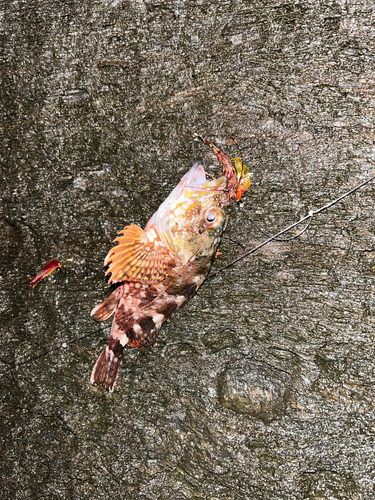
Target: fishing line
{"x":63,"y":345}
{"x":281,"y":239}
{"x":310,"y":216}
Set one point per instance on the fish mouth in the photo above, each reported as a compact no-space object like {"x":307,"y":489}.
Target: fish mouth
{"x":196,"y":179}
{"x":214,"y":185}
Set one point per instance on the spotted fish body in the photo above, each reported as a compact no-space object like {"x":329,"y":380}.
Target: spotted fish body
{"x":161,"y":267}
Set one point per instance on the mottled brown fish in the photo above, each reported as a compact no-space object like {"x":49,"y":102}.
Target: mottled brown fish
{"x":161,"y":267}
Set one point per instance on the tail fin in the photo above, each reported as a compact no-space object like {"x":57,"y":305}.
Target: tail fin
{"x":105,"y":371}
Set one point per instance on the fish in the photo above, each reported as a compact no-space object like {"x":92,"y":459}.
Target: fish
{"x":158,"y":269}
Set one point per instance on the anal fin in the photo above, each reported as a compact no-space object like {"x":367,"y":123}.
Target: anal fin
{"x":106,"y":309}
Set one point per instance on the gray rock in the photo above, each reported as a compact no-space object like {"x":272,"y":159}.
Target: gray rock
{"x":255,"y":388}
{"x":99,"y":101}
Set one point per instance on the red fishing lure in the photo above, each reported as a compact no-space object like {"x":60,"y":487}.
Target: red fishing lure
{"x":46,"y":271}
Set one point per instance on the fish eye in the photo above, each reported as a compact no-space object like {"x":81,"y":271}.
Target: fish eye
{"x":213,"y":218}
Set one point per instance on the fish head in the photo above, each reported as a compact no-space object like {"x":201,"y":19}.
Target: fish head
{"x":191,"y":220}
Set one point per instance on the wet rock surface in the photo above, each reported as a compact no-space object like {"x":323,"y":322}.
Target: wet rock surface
{"x":263,"y":386}
{"x":255,"y":388}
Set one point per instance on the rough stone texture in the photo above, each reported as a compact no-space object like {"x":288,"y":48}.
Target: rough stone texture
{"x":99,"y":103}
{"x":255,"y":388}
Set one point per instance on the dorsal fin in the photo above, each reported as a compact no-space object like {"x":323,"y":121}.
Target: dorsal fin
{"x":138,"y":256}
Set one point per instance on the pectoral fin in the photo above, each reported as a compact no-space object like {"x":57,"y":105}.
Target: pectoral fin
{"x":139,"y":256}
